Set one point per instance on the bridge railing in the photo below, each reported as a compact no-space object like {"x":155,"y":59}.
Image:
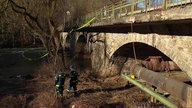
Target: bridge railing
{"x":127,"y":8}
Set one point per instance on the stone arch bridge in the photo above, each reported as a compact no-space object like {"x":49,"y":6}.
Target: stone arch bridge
{"x":159,"y":39}
{"x":166,"y":33}
{"x":102,"y":46}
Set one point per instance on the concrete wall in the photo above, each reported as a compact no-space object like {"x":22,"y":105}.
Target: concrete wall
{"x":178,"y":48}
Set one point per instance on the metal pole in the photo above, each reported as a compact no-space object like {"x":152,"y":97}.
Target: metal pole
{"x":113,"y":11}
{"x":162,"y":99}
{"x":121,"y":8}
{"x":146,"y":5}
{"x":132,"y":6}
{"x":166,"y":4}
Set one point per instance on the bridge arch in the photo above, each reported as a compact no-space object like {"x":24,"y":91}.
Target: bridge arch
{"x":67,"y":42}
{"x":82,"y":52}
{"x":143,"y":51}
{"x":80,"y":43}
{"x":146,"y":55}
{"x":177,"y":48}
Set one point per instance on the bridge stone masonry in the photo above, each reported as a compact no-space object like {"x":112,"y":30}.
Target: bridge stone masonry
{"x":103,"y":47}
{"x":168,"y":31}
{"x":177,"y":48}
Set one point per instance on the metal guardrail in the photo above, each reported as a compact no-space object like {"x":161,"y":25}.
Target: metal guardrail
{"x":127,"y":8}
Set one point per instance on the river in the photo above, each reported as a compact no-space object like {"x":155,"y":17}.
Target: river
{"x":16,"y":64}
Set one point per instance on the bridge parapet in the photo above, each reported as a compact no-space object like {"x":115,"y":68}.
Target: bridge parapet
{"x":128,"y":8}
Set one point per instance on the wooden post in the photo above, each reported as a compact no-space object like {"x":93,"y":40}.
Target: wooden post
{"x":153,"y":100}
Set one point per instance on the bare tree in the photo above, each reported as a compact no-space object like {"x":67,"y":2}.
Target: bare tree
{"x":45,"y":18}
{"x":41,"y":17}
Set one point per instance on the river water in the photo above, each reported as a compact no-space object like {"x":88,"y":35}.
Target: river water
{"x":15,"y":63}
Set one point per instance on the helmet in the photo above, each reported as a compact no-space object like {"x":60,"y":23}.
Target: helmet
{"x":60,"y":70}
{"x":72,"y":67}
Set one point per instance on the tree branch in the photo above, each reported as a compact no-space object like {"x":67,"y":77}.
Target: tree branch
{"x":3,"y":8}
{"x":28,"y":22}
{"x":52,"y":6}
{"x":23,"y":11}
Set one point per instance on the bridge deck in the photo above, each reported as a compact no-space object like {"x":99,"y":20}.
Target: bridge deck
{"x":140,"y":12}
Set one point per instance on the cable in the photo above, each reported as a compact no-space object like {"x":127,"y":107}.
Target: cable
{"x":134,"y":52}
{"x":33,"y":59}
